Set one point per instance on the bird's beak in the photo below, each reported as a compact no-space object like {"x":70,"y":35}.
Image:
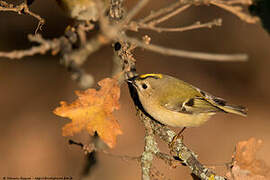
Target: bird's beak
{"x":131,"y":80}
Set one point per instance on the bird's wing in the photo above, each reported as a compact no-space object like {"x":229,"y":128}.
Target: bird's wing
{"x":198,"y":101}
{"x":192,"y":106}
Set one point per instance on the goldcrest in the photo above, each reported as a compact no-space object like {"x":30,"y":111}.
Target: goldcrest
{"x":81,"y":9}
{"x":176,"y":103}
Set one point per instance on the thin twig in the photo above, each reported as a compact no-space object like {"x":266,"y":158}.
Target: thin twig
{"x":22,"y":9}
{"x":134,"y":11}
{"x":123,"y":157}
{"x":161,"y":11}
{"x":236,"y":10}
{"x":170,"y":15}
{"x":197,"y":25}
{"x":92,"y":147}
{"x":112,"y":32}
{"x":188,"y":54}
{"x":243,"y":2}
{"x":80,"y":56}
{"x":45,"y":46}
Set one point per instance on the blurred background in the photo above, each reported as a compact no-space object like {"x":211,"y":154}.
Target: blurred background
{"x":31,"y":143}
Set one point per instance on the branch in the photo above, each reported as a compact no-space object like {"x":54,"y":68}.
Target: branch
{"x":22,"y":9}
{"x":134,"y":12}
{"x":80,"y":56}
{"x":161,"y":11}
{"x":150,"y":148}
{"x":100,"y":146}
{"x":236,"y":10}
{"x":112,"y":32}
{"x":170,"y":15}
{"x":197,"y":25}
{"x":188,"y":54}
{"x":187,"y":156}
{"x":45,"y":46}
{"x":243,"y":2}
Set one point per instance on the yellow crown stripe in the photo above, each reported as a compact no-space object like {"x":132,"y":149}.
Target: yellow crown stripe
{"x":151,"y":75}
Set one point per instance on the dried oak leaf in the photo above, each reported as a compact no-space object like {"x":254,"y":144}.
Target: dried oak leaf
{"x":93,"y":111}
{"x":246,"y":166}
{"x":241,"y":174}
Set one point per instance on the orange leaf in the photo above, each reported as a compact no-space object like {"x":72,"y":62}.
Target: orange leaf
{"x":246,"y":166}
{"x":93,"y":111}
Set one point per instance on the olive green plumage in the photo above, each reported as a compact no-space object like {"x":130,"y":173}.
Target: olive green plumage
{"x":176,"y":103}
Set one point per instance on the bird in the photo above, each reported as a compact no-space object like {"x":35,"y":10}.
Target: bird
{"x":176,"y":103}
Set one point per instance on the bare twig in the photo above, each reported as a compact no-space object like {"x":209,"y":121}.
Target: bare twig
{"x":236,"y":10}
{"x":71,"y":58}
{"x":188,"y":54}
{"x":197,"y":25}
{"x":134,"y":11}
{"x":244,"y":2}
{"x":170,"y":15}
{"x":80,"y":56}
{"x":22,"y":9}
{"x":92,"y":147}
{"x":161,"y":11}
{"x":45,"y":46}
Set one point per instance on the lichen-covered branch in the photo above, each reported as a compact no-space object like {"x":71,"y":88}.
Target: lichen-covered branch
{"x":150,"y":148}
{"x":186,"y":155}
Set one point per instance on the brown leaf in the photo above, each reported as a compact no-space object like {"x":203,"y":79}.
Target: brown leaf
{"x":240,"y":174}
{"x":246,"y":166}
{"x":93,"y":111}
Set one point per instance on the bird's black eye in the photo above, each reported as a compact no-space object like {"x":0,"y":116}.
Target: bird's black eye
{"x":144,"y":86}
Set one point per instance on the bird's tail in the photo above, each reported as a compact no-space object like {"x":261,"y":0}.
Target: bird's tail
{"x":240,"y":110}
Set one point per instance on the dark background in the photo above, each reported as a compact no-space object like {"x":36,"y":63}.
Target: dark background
{"x":31,"y":143}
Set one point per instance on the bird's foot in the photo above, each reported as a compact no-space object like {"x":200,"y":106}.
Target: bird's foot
{"x":179,"y":135}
